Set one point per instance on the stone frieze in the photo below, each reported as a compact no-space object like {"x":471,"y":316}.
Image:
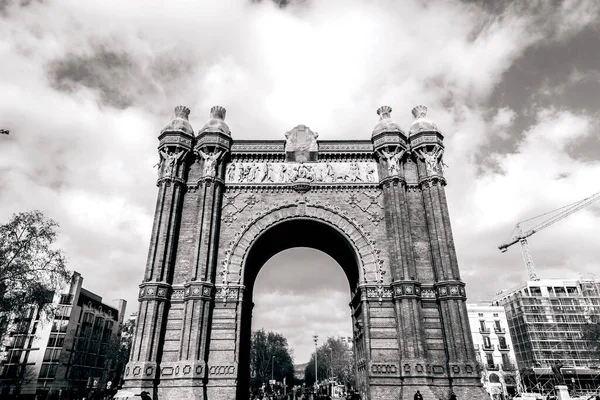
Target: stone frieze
{"x":285,"y":172}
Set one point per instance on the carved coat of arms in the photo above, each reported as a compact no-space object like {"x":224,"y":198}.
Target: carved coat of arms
{"x":301,"y":144}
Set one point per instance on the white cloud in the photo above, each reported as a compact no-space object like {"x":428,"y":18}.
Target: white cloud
{"x":538,"y":177}
{"x":504,"y":117}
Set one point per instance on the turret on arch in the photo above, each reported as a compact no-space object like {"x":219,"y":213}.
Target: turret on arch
{"x":376,"y":206}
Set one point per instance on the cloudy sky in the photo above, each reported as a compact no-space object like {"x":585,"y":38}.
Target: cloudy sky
{"x":86,"y":86}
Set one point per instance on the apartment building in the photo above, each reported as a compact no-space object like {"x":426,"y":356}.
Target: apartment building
{"x":65,"y":355}
{"x":546,"y":319}
{"x":494,"y":350}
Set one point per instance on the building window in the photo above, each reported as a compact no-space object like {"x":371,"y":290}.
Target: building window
{"x":494,"y":378}
{"x":489,"y":360}
{"x":502,"y":342}
{"x":56,"y":341}
{"x":535,"y":291}
{"x":497,"y":326}
{"x":487,"y":344}
{"x":482,"y":327}
{"x":48,"y":370}
{"x":108,"y":327}
{"x":495,"y":315}
{"x":52,"y":355}
{"x":480,"y":315}
{"x":66,"y":299}
{"x":15,"y":356}
{"x":19,"y":342}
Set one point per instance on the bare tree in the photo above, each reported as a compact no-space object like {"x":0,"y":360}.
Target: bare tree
{"x":26,"y":376}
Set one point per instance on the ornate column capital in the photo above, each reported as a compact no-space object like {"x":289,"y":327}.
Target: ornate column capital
{"x":198,"y":290}
{"x":452,"y":289}
{"x":406,"y":289}
{"x":157,"y":291}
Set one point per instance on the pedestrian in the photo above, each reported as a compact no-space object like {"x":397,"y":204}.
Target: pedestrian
{"x":145,"y":395}
{"x":418,"y":396}
{"x":453,"y":396}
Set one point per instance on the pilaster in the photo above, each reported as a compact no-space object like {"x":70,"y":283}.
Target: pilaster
{"x":175,"y":143}
{"x":427,"y":147}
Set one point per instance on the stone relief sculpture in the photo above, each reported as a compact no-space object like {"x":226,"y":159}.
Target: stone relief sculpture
{"x":230,"y":172}
{"x":170,"y":161}
{"x":393,"y":161}
{"x":210,"y":162}
{"x":432,"y":160}
{"x":301,"y":144}
{"x":310,"y":172}
{"x":371,"y":174}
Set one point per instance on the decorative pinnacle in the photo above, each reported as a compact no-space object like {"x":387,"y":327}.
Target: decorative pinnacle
{"x":218,"y":112}
{"x":182,"y":112}
{"x":384,"y":112}
{"x":419,"y":112}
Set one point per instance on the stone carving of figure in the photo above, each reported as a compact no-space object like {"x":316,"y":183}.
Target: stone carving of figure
{"x":293,"y":173}
{"x":302,"y":172}
{"x":252,"y":173}
{"x":261,"y":172}
{"x":329,"y":173}
{"x":231,"y":169}
{"x":210,"y":162}
{"x":370,"y":174}
{"x":283,"y":173}
{"x":431,"y":160}
{"x":170,"y":162}
{"x":353,"y":174}
{"x":270,"y":174}
{"x":310,"y":173}
{"x":393,"y":161}
{"x":244,"y":170}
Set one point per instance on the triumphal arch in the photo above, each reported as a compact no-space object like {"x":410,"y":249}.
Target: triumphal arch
{"x":377,"y":206}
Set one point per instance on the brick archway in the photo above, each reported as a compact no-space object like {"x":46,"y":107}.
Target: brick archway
{"x":383,"y":196}
{"x":365,"y":249}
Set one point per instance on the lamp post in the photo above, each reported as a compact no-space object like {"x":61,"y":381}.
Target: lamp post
{"x":316,"y":340}
{"x":272,"y":366}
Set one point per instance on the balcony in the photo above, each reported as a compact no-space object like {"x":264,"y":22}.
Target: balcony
{"x":484,"y":330}
{"x":492,"y":367}
{"x":487,"y":347}
{"x":503,"y":347}
{"x":508,"y":367}
{"x":499,"y":329}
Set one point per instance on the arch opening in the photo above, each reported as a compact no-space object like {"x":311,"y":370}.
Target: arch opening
{"x":301,"y":233}
{"x":290,"y":234}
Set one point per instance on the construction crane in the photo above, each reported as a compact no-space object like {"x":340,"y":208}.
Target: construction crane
{"x":518,"y":235}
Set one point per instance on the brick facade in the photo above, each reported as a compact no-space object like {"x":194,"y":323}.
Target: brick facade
{"x":378,"y":207}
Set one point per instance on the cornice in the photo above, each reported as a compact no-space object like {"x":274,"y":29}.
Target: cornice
{"x":289,"y":187}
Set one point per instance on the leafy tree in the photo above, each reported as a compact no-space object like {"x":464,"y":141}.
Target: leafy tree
{"x":31,"y":270}
{"x":270,"y":356}
{"x":118,"y":351}
{"x":335,"y":360}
